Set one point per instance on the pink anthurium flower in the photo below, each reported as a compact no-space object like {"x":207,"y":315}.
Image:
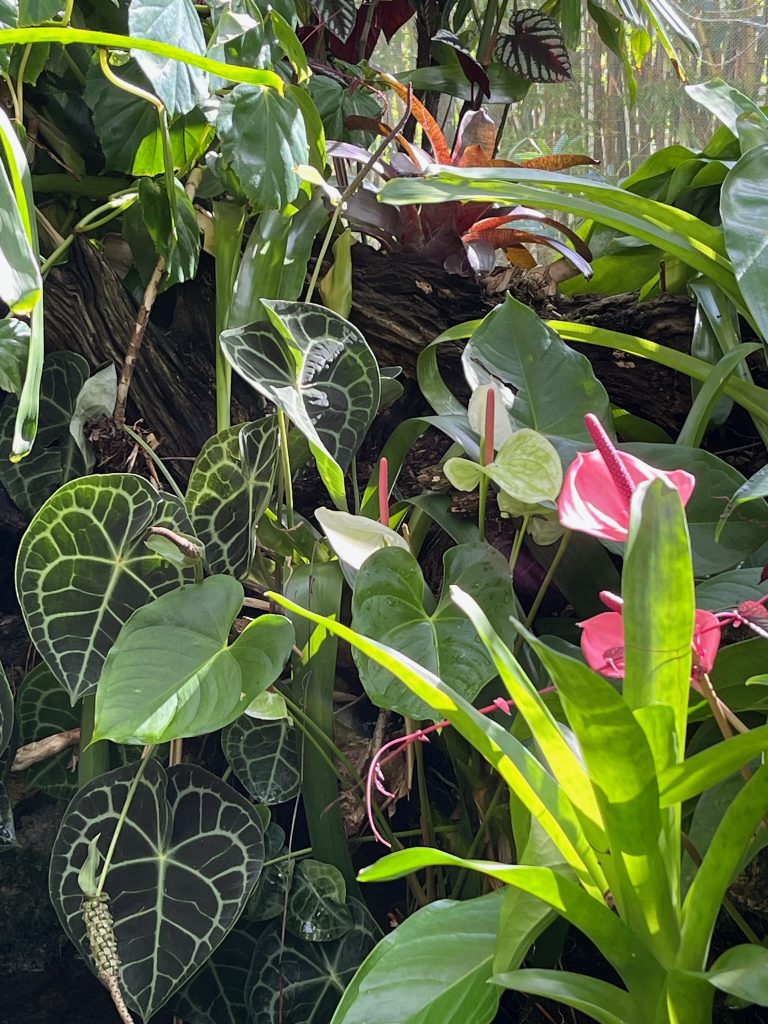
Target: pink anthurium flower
{"x":598,"y":487}
{"x":602,"y":641}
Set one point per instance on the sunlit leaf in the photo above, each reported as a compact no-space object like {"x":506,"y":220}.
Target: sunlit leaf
{"x":179,"y":86}
{"x":14,"y":350}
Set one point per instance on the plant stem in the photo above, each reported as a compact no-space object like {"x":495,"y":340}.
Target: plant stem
{"x":285,"y":464}
{"x":121,"y":820}
{"x":517,"y":546}
{"x":548,"y":577}
{"x":482,"y":503}
{"x":19,"y":108}
{"x":94,"y":757}
{"x":427,"y":824}
{"x":477,"y":839}
{"x":149,"y":451}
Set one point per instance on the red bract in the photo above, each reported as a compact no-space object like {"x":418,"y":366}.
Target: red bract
{"x":598,"y":487}
{"x":602,"y":641}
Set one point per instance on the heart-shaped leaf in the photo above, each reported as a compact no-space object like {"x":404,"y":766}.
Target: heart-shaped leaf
{"x":180,"y":86}
{"x":216,"y":994}
{"x":392,"y":605}
{"x":229,"y":489}
{"x":83,"y":569}
{"x":153,"y":228}
{"x":528,"y":468}
{"x":555,"y":385}
{"x":298,"y":982}
{"x":317,"y":908}
{"x":337,"y":16}
{"x":534,"y":48}
{"x":188,"y":855}
{"x":55,"y":457}
{"x":171,"y":673}
{"x":264,"y":756}
{"x":43,"y":709}
{"x":318,"y":368}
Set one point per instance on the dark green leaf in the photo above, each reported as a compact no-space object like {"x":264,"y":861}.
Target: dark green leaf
{"x":298,"y":982}
{"x":6,"y":711}
{"x":390,"y":604}
{"x":506,"y":86}
{"x":755,"y":487}
{"x":318,"y":368}
{"x":555,"y":385}
{"x":189,"y":853}
{"x":317,"y":909}
{"x":35,"y":12}
{"x":14,"y":350}
{"x":171,"y":672}
{"x":729,"y":589}
{"x":264,"y":757}
{"x":43,"y":709}
{"x":338,"y":16}
{"x":129,"y":130}
{"x":180,"y":86}
{"x":153,"y":229}
{"x":216,"y":994}
{"x":270,"y":897}
{"x":83,"y":568}
{"x":229,"y":488}
{"x":432,"y":969}
{"x":7,"y":825}
{"x":335,"y":103}
{"x":263,"y":137}
{"x":55,"y":457}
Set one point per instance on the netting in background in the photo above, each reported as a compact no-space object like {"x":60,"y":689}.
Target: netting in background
{"x":591,"y":114}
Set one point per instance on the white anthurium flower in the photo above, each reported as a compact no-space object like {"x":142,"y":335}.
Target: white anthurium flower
{"x":528,"y":468}
{"x":355,"y":538}
{"x":543,"y":524}
{"x":269,"y":706}
{"x":502,"y":424}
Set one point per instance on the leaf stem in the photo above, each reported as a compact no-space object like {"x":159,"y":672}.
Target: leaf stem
{"x":548,"y":577}
{"x":285,"y":464}
{"x":121,"y":820}
{"x":94,"y":757}
{"x":517,"y":546}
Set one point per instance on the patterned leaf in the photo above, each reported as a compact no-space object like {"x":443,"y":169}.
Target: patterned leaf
{"x":535,"y":48}
{"x":298,"y":982}
{"x":188,"y":855}
{"x":14,"y":351}
{"x":229,"y":489}
{"x":43,"y":709}
{"x":317,"y":910}
{"x":216,"y":994}
{"x":338,"y":16}
{"x":264,"y":757}
{"x":55,"y":457}
{"x":270,"y":896}
{"x":6,"y":711}
{"x":318,"y":368}
{"x":7,"y":827}
{"x":83,"y":569}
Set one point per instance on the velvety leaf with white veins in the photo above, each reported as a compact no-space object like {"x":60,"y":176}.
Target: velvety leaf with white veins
{"x":188,"y":855}
{"x":171,"y":673}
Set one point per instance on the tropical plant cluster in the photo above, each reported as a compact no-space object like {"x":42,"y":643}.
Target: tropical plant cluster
{"x":539,"y":681}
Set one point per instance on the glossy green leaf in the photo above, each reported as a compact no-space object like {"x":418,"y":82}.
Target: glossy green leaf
{"x":711,"y":882}
{"x":743,"y":197}
{"x":171,"y":672}
{"x":506,"y":86}
{"x":432,"y":969}
{"x":129,"y":130}
{"x":555,"y":386}
{"x":317,"y":910}
{"x":602,"y":1002}
{"x":270,"y":897}
{"x":680,"y":782}
{"x":618,"y":944}
{"x":318,"y":368}
{"x":299,"y":982}
{"x":83,"y":568}
{"x":55,"y":458}
{"x":229,"y":488}
{"x":703,"y":408}
{"x":755,"y":487}
{"x":180,"y":86}
{"x":621,"y":768}
{"x":189,"y":853}
{"x":742,"y":971}
{"x":728,"y":589}
{"x":216,"y":994}
{"x":263,"y":138}
{"x":724,"y":101}
{"x":14,"y":351}
{"x":335,"y":103}
{"x":390,"y":605}
{"x":264,"y":757}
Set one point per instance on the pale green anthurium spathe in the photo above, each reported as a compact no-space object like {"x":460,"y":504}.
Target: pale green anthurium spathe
{"x":527,"y":468}
{"x":269,"y":706}
{"x":355,"y":538}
